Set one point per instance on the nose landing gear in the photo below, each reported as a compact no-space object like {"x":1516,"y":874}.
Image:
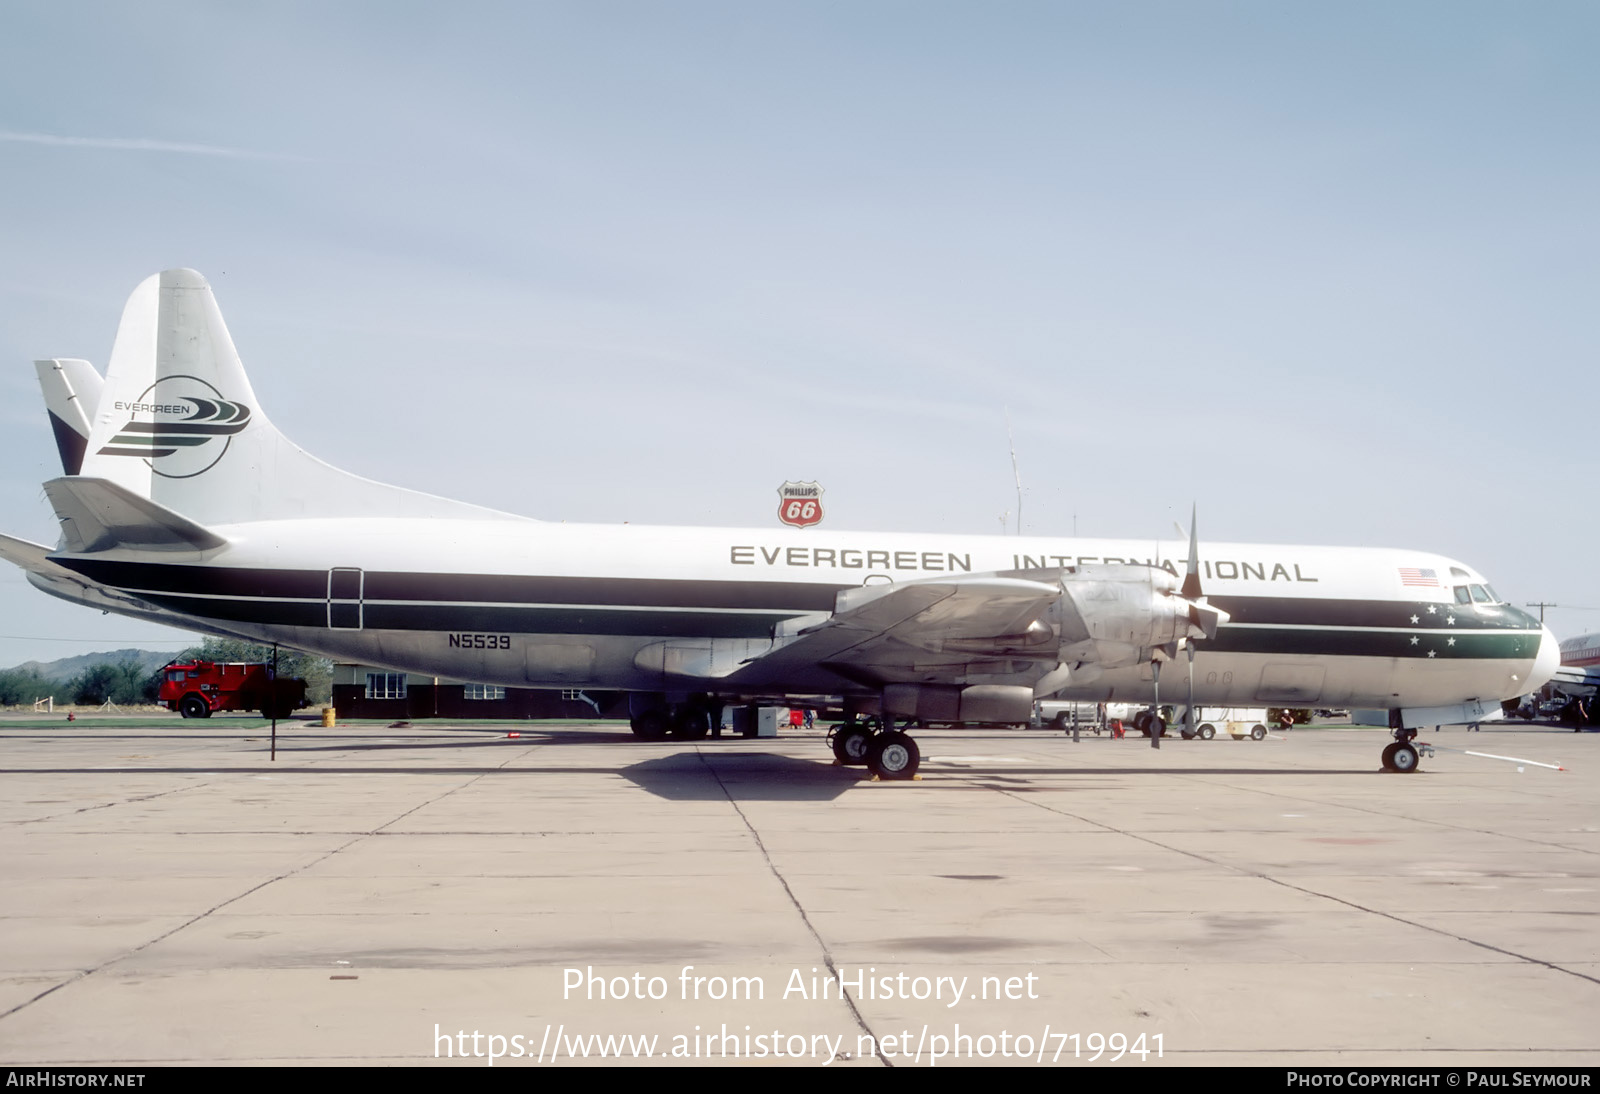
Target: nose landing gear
{"x":1403,"y":756}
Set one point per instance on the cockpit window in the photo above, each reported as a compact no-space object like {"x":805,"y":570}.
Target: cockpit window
{"x":1462,"y":596}
{"x":1481,"y":595}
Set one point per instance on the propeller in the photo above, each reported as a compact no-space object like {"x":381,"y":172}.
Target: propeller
{"x":1203,"y":623}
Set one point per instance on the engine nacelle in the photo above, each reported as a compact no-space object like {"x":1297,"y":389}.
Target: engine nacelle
{"x":1114,"y":615}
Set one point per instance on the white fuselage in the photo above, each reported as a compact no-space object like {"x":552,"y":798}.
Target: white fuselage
{"x":533,"y":604}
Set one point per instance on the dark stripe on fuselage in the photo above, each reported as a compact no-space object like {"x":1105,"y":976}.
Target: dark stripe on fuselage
{"x":1429,"y":645}
{"x":785,"y":596}
{"x":503,"y":619}
{"x":516,"y":604}
{"x":1298,"y":611}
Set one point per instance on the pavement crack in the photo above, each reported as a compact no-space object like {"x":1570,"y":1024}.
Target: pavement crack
{"x":84,"y":974}
{"x":827,"y":955}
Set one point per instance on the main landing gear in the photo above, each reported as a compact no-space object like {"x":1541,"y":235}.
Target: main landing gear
{"x":684,"y":722}
{"x":1403,"y":756}
{"x":875,"y":744}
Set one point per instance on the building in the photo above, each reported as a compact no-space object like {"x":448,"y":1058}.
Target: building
{"x":361,"y":691}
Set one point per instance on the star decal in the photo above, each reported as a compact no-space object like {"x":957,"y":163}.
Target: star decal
{"x":1430,"y":653}
{"x":1450,"y":619}
{"x":1413,"y":640}
{"x":1432,"y":610}
{"x":1415,"y":619}
{"x":1450,"y":641}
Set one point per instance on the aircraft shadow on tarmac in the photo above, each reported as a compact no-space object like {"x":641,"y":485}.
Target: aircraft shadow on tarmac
{"x":758,"y":776}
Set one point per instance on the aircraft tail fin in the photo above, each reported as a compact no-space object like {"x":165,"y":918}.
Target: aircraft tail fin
{"x":72,"y":395}
{"x":178,"y":423}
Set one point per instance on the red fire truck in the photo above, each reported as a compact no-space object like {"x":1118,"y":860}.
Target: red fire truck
{"x":196,"y":688}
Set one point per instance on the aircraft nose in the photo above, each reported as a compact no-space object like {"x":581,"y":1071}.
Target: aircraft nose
{"x":1545,"y":663}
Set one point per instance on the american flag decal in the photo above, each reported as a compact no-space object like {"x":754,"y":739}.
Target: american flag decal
{"x":1409,"y":575}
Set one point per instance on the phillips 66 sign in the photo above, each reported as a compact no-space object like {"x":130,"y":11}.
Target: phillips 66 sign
{"x":800,"y":503}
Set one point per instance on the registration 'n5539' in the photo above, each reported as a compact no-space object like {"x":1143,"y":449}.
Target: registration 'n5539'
{"x":480,"y":641}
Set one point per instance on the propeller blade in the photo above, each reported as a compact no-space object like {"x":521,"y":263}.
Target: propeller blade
{"x":1206,"y":619}
{"x":1191,"y":576}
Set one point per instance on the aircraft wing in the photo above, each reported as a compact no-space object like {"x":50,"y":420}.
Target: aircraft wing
{"x":894,"y":632}
{"x":932,"y":615}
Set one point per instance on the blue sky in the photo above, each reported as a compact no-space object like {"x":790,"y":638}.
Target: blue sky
{"x":1328,"y":271}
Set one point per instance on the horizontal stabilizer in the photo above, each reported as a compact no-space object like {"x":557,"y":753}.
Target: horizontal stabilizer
{"x":97,"y":515}
{"x":32,"y":557}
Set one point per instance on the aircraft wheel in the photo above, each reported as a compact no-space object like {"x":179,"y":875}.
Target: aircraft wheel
{"x":1207,"y":731}
{"x":1258,"y":733}
{"x":1141,"y":722}
{"x":1404,"y":760}
{"x":1155,"y":727}
{"x":1188,"y":734}
{"x":652,"y":725}
{"x":193,"y":706}
{"x":851,"y":743}
{"x":893,"y":755}
{"x":1388,"y":756}
{"x":691,"y":723}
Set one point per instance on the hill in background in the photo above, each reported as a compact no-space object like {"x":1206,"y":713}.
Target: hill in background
{"x":69,"y":667}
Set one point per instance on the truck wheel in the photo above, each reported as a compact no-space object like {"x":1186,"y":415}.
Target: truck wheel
{"x":1207,"y":731}
{"x":194,"y":706}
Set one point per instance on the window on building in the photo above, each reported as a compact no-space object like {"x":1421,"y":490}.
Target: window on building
{"x":485,"y":691}
{"x":386,"y":685}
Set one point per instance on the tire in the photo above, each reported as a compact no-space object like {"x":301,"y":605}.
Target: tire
{"x":1404,"y":760}
{"x":1388,"y":756}
{"x":194,"y":706}
{"x":893,"y":755}
{"x":1258,"y":733}
{"x":1063,"y":723}
{"x":652,"y":725}
{"x":1155,"y":727}
{"x":851,"y":743}
{"x":1207,"y":731}
{"x":690,"y":724}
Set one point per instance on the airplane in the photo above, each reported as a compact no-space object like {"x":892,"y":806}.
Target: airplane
{"x":182,"y":503}
{"x":1574,"y":685}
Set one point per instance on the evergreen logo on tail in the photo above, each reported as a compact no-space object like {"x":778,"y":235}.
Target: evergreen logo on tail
{"x":180,"y":426}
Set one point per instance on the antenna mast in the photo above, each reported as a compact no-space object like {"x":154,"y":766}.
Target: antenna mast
{"x":1015,"y":473}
